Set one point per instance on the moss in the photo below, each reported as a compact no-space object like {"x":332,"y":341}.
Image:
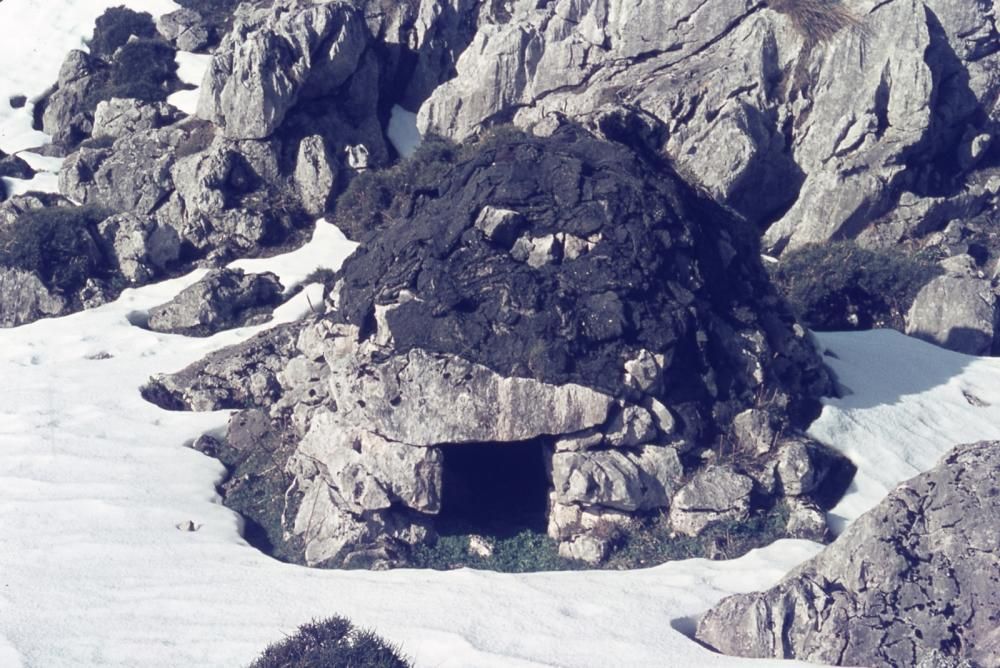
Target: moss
{"x":523,"y":552}
{"x":331,"y":643}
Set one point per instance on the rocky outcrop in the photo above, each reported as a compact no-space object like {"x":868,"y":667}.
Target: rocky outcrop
{"x":956,"y":312}
{"x":25,"y":298}
{"x":563,"y":296}
{"x":118,"y":117}
{"x":912,"y":582}
{"x":185,"y":28}
{"x":223,"y":299}
{"x":820,"y":123}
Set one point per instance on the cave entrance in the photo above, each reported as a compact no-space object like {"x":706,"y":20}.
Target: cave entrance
{"x":494,"y":489}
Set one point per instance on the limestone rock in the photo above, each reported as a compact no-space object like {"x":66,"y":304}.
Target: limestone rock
{"x":315,"y":175}
{"x":24,"y":298}
{"x":714,"y":494}
{"x":143,"y":248}
{"x":118,"y":117}
{"x":958,"y":313}
{"x":912,"y":580}
{"x":185,"y":28}
{"x":224,"y":298}
{"x":276,"y":56}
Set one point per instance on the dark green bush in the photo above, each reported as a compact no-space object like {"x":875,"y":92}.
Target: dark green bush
{"x":840,"y":285}
{"x":115,"y":26}
{"x":142,"y":69}
{"x":331,"y":643}
{"x":57,"y":243}
{"x":377,"y":197}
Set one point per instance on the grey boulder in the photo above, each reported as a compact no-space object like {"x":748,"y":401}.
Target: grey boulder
{"x":224,"y":298}
{"x":911,"y":582}
{"x":956,"y":312}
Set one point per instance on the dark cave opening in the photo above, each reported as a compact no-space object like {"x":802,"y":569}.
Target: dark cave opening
{"x":494,"y":489}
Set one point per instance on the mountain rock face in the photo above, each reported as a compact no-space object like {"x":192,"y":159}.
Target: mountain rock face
{"x":912,"y":582}
{"x":561,"y":294}
{"x":816,"y":119}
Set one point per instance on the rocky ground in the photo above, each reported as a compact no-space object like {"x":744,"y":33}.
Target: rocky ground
{"x":561,"y":297}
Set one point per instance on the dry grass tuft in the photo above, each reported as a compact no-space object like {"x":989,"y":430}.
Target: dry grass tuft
{"x":816,"y":20}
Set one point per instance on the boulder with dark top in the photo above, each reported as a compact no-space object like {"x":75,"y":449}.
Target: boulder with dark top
{"x":184,"y":28}
{"x":636,"y":324}
{"x":223,"y":299}
{"x":915,"y":581}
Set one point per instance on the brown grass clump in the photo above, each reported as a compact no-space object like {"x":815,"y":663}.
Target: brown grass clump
{"x":816,"y":20}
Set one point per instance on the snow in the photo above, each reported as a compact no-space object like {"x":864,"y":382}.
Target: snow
{"x":191,"y":68}
{"x":402,"y":131}
{"x":908,"y":403}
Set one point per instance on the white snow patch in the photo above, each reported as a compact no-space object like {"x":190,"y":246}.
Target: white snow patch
{"x":34,"y":40}
{"x":43,"y":182}
{"x":909,"y":403}
{"x":402,"y":131}
{"x":43,"y":163}
{"x":327,"y":250}
{"x":191,"y":68}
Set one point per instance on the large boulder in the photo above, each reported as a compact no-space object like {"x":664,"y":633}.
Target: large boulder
{"x":558,"y":296}
{"x":956,"y":312}
{"x":820,"y":118}
{"x":277,"y":56}
{"x":912,"y":582}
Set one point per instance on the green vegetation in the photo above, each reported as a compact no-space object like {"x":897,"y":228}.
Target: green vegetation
{"x":115,"y":26}
{"x":523,"y":552}
{"x":142,"y":69}
{"x":331,"y":643}
{"x":652,"y":542}
{"x":56,"y":243}
{"x":840,"y":285}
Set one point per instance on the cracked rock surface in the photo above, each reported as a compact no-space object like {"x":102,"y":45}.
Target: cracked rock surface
{"x":915,"y":581}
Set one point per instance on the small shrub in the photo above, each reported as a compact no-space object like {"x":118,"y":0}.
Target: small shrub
{"x":331,"y":643}
{"x":840,"y":285}
{"x":377,"y":197}
{"x":58,"y":243}
{"x":115,"y":26}
{"x":816,"y":20}
{"x":525,"y":552}
{"x":652,"y":543}
{"x":142,"y":69}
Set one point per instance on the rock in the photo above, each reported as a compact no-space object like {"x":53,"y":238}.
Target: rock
{"x":754,"y":431}
{"x":185,"y":29}
{"x":276,"y":56}
{"x":424,"y":399}
{"x":223,"y":299}
{"x":912,"y":580}
{"x":118,"y":117}
{"x":108,"y":176}
{"x":616,"y":480}
{"x":143,"y":248}
{"x":586,"y":548}
{"x":499,"y":225}
{"x":315,"y":175}
{"x":773,"y":115}
{"x":367,"y":472}
{"x":631,"y":427}
{"x":806,"y":521}
{"x":714,"y":494}
{"x":567,"y":321}
{"x":64,"y":117}
{"x":24,"y":298}
{"x":12,"y":166}
{"x":241,"y":376}
{"x":957,"y":313}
